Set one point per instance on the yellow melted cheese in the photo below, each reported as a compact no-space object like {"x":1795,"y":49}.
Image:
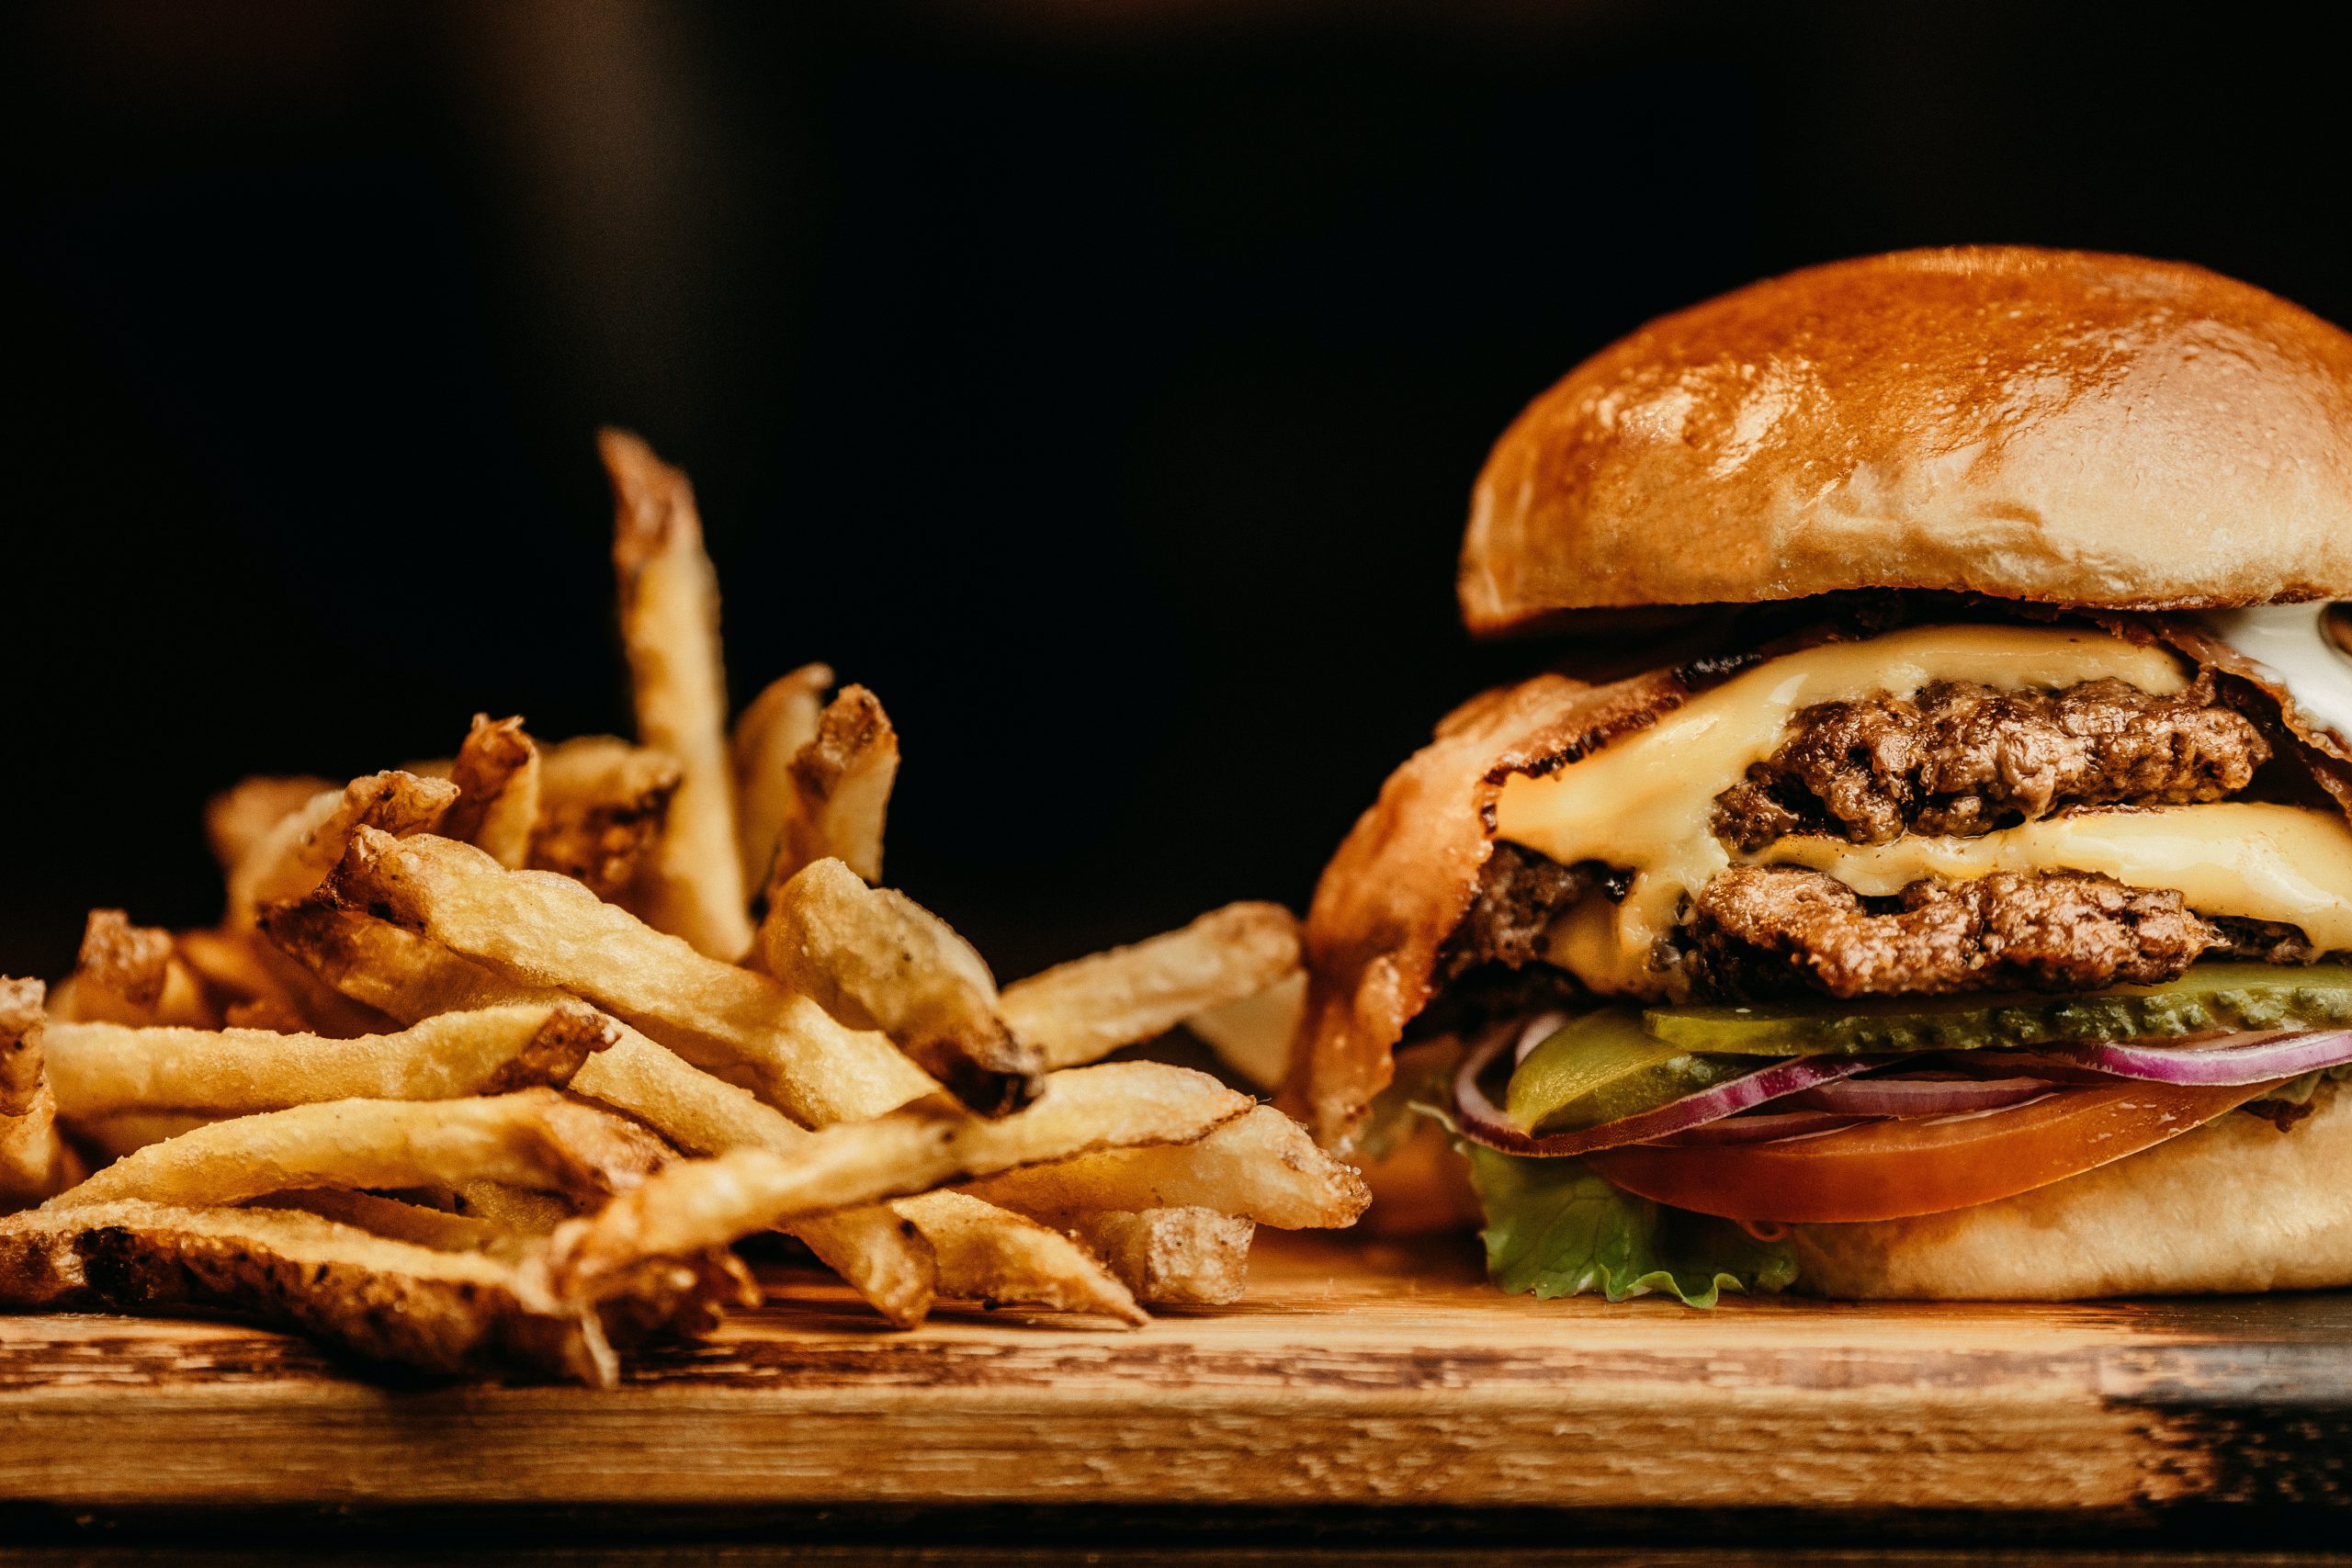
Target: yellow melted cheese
{"x":2264,"y":862}
{"x":1645,"y":802}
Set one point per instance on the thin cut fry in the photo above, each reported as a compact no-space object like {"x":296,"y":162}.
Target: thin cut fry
{"x":700,"y":1203}
{"x":771,"y":732}
{"x":21,"y":1056}
{"x":34,"y":1161}
{"x":1085,"y":1010}
{"x":410,"y":976}
{"x":296,"y":855}
{"x":240,"y":816}
{"x":985,"y":1259}
{"x":1263,"y":1166}
{"x":548,"y":930}
{"x":497,"y":776}
{"x":128,"y":973}
{"x":1188,"y":1257}
{"x":841,"y":782}
{"x":876,"y":959}
{"x":443,"y":1312}
{"x":1253,"y":1035}
{"x":397,"y":1221}
{"x":669,"y":600}
{"x":533,"y":1138}
{"x":601,"y":806}
{"x":523,"y":1210}
{"x":97,"y":1070}
{"x":127,"y":1131}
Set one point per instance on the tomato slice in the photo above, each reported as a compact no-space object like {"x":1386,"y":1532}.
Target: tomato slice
{"x":1920,"y":1166}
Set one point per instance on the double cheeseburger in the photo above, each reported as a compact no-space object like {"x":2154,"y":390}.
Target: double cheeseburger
{"x":1957,"y":901}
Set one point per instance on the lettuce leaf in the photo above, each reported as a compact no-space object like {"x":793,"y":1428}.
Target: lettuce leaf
{"x":1556,"y":1229}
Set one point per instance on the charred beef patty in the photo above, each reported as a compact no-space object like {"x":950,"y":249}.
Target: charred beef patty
{"x":1771,"y":931}
{"x":1963,"y":759}
{"x":1520,"y":894}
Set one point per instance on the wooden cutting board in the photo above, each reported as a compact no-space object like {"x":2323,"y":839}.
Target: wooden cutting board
{"x":1352,"y":1374}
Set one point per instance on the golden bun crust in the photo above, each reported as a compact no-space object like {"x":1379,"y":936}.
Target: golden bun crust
{"x":2047,"y":425}
{"x":2237,"y":1205}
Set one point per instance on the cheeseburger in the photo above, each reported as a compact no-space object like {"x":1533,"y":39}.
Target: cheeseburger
{"x":1958,"y":900}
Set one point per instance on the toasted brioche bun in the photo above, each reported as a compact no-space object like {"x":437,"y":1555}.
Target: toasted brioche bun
{"x":2236,"y":1205}
{"x":2046,"y":425}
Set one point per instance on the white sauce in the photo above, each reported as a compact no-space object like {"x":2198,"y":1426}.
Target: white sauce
{"x":2292,"y":646}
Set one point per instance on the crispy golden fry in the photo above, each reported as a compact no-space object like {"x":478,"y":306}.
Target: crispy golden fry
{"x":840,"y":790}
{"x":669,"y":598}
{"x":1252,"y":1036}
{"x":532,"y":1138}
{"x":34,"y":1161}
{"x":1263,"y":1166}
{"x":601,"y":806}
{"x":701,"y":1204}
{"x":21,"y":1056}
{"x":999,"y":1259}
{"x":240,"y":816}
{"x":97,"y":1070}
{"x":451,"y":1312}
{"x":397,"y":1221}
{"x":127,"y":1131}
{"x":497,"y":776}
{"x":771,"y":732}
{"x":876,"y":959}
{"x":296,"y":855}
{"x":128,"y":973}
{"x":1189,"y":1257}
{"x":522,"y":1209}
{"x":1083,"y":1011}
{"x":411,"y":976}
{"x":548,"y":930}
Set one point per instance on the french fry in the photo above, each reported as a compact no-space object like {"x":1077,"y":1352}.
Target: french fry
{"x":702,"y":1203}
{"x":34,"y":1161}
{"x":1253,"y":1035}
{"x":240,"y":816}
{"x":296,"y":855}
{"x":397,"y":1221}
{"x":126,"y":973}
{"x":841,"y":787}
{"x":668,"y":602}
{"x":127,"y":1131}
{"x":876,"y":959}
{"x":410,"y":976}
{"x":1263,"y":1166}
{"x":524,"y":1210}
{"x":548,"y":930}
{"x":497,"y":776}
{"x":602,"y":803}
{"x":1083,"y":1011}
{"x":533,"y":1138}
{"x":984,"y":1260}
{"x":1188,"y":1257}
{"x":769,"y":734}
{"x":97,"y":1070}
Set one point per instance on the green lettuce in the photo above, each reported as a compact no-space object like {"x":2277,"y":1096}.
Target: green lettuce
{"x":1555,"y":1229}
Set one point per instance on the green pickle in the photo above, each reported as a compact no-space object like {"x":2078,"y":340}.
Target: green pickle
{"x":1603,"y":1067}
{"x":2210,"y":997}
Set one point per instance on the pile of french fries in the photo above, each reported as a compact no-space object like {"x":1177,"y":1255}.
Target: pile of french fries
{"x":490,"y":1062}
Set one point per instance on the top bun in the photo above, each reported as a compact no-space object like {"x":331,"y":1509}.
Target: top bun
{"x":2048,"y":425}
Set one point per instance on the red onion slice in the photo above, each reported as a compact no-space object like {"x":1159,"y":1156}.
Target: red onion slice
{"x":1482,"y":1121}
{"x":1909,"y":1096}
{"x":1762,"y":1126}
{"x":1540,"y":1028}
{"x":2232,"y":1059}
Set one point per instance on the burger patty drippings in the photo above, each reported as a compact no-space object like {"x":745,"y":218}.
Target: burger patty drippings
{"x":1760,"y":932}
{"x":1965,"y":759}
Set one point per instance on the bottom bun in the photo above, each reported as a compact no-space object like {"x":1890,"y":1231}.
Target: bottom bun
{"x":2237,"y":1205}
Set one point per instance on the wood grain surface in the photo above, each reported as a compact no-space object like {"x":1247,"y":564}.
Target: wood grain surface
{"x":1351,"y":1375}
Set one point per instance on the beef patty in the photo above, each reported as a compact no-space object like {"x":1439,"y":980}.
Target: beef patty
{"x":1772,"y":931}
{"x":1964,"y":759}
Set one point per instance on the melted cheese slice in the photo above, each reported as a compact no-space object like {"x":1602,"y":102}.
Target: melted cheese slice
{"x":1645,"y":802}
{"x":2264,"y":862}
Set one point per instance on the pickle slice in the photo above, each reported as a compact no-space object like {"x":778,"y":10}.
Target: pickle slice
{"x":1601,"y":1068}
{"x":2210,"y":997}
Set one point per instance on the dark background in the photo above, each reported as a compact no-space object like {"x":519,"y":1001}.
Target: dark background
{"x":1100,"y":382}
